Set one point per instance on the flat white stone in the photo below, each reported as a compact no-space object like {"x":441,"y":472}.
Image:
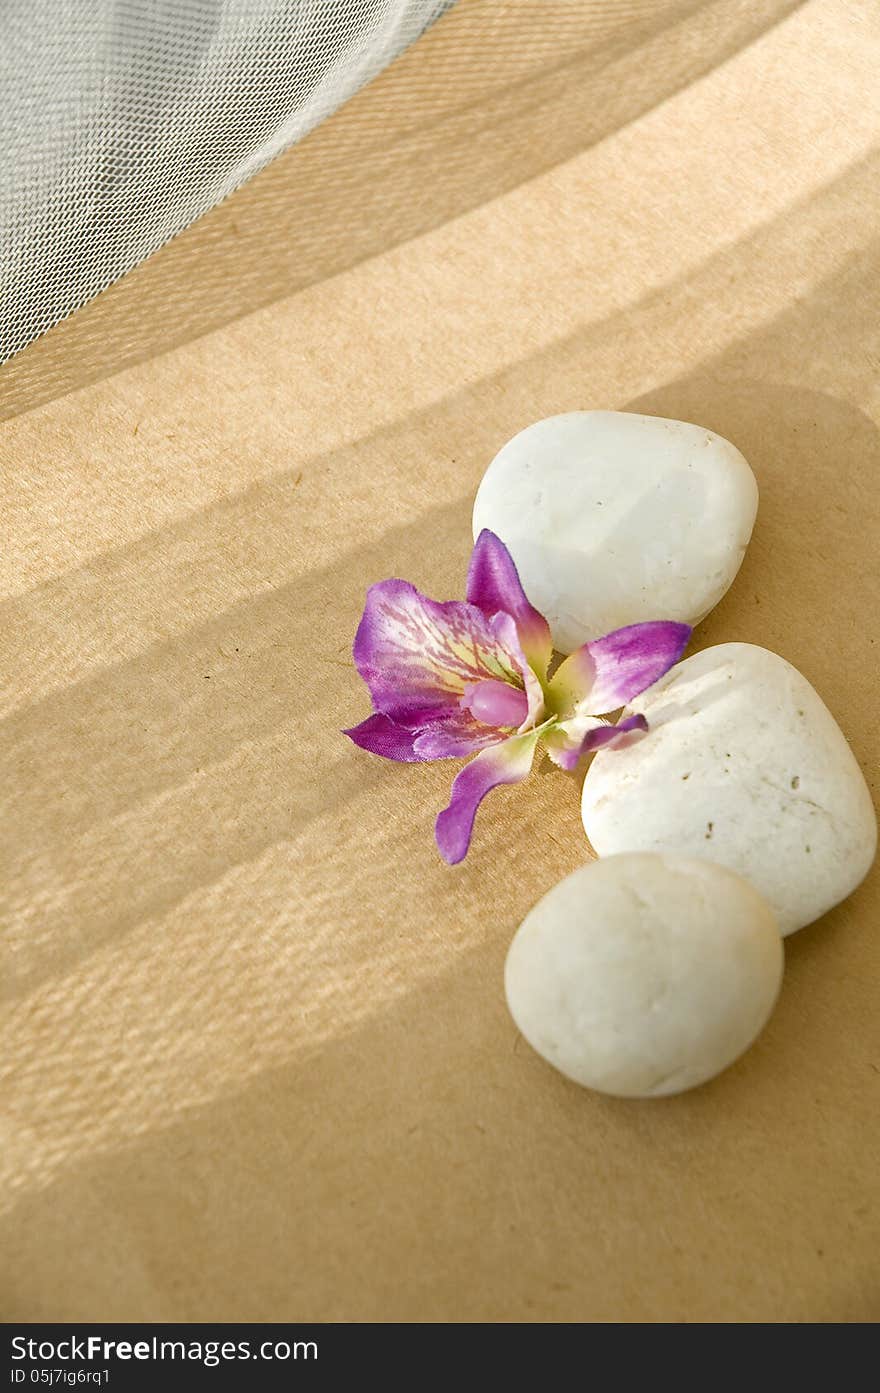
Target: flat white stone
{"x":743,"y":764}
{"x":645,"y":975}
{"x":614,"y":518}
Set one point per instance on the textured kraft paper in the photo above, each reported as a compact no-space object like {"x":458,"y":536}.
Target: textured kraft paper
{"x":256,"y":1059}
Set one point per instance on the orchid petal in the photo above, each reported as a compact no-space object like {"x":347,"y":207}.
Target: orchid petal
{"x":417,"y":655}
{"x":493,"y":585}
{"x":456,"y":739}
{"x":505,"y":628}
{"x":608,"y":672}
{"x":507,"y":763}
{"x":609,"y":737}
{"x":564,"y":739}
{"x":382,"y":736}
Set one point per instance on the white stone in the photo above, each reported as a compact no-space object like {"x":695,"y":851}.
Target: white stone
{"x":745,"y":765}
{"x":614,"y":518}
{"x":645,"y":975}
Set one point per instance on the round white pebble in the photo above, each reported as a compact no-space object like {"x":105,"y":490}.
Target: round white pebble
{"x":744,"y":764}
{"x":614,"y":518}
{"x":644,"y":975}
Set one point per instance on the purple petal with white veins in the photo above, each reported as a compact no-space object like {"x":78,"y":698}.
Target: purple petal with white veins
{"x":417,"y":655}
{"x":456,"y":738}
{"x":626,"y":732}
{"x":493,"y":585}
{"x":382,"y":736}
{"x":608,"y":672}
{"x":507,"y":763}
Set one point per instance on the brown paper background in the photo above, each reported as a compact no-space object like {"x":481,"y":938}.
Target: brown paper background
{"x":257,"y":1063}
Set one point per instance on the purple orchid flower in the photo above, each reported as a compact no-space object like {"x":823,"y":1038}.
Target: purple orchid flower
{"x":460,"y":678}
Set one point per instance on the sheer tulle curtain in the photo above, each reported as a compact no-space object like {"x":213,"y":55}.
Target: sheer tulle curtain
{"x":123,"y":120}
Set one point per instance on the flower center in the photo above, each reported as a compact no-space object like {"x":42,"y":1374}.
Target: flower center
{"x":495,"y":703}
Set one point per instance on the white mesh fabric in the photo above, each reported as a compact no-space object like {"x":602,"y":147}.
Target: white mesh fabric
{"x":122,"y":120}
